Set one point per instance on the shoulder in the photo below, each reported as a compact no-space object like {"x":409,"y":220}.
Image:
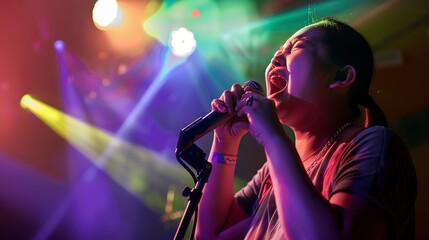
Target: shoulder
{"x":375,"y":133}
{"x":382,"y":170}
{"x":380,"y":151}
{"x":390,"y":150}
{"x":376,"y":149}
{"x":378,"y":138}
{"x":380,"y":133}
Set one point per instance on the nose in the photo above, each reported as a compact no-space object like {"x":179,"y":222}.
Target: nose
{"x":278,"y":61}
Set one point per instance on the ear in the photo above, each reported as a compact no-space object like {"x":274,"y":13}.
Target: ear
{"x":345,"y":77}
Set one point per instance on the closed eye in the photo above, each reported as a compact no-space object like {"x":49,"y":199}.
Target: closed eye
{"x":297,"y":45}
{"x":279,"y":51}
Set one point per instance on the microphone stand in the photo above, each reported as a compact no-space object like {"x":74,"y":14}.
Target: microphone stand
{"x":195,"y":157}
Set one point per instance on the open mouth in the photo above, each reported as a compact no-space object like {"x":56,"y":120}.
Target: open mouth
{"x":277,"y":83}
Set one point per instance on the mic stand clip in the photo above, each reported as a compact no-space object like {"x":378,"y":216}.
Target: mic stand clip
{"x":195,"y":157}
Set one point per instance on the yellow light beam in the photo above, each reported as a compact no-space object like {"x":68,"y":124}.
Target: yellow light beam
{"x":138,"y":170}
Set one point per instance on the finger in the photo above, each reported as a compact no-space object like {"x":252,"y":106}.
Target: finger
{"x":247,"y":100}
{"x":229,"y":100}
{"x":247,"y":97}
{"x":219,"y":105}
{"x":242,"y":123}
{"x":238,"y":92}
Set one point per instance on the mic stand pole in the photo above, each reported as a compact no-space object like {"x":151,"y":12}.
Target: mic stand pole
{"x":195,"y":157}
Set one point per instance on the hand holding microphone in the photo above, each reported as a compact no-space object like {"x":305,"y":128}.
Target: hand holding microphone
{"x":203,"y":125}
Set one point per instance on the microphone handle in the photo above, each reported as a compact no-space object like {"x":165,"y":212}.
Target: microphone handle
{"x":203,"y":125}
{"x":200,"y":127}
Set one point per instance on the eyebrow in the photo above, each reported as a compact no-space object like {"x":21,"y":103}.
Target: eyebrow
{"x":292,"y":42}
{"x":298,"y":38}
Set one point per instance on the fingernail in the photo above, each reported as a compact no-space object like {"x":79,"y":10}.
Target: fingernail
{"x":222,"y":108}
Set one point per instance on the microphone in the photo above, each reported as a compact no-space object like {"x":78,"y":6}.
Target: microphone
{"x":203,"y":125}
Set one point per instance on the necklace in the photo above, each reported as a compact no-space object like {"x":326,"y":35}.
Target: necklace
{"x":327,"y":145}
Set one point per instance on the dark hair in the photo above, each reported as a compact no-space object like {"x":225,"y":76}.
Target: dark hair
{"x":349,"y":47}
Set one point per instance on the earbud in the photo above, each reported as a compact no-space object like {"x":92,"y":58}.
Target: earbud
{"x":340,"y":76}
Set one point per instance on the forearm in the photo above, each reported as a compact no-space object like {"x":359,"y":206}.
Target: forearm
{"x":303,"y":211}
{"x":218,"y":194}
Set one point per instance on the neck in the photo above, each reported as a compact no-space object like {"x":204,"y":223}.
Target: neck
{"x":314,"y":128}
{"x":309,"y":141}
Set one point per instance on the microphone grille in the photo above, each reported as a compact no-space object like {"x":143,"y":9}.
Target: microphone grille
{"x":253,"y":84}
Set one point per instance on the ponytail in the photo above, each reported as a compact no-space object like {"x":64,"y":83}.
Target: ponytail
{"x":373,"y":113}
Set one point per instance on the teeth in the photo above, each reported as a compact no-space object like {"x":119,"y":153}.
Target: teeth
{"x":277,"y":76}
{"x":278,"y":83}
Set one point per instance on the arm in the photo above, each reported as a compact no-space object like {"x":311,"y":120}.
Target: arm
{"x":219,"y":211}
{"x":220,"y":214}
{"x":308,"y":214}
{"x":303,"y":212}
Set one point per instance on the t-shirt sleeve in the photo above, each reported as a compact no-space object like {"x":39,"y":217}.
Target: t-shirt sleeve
{"x":378,"y":166}
{"x":248,"y":195}
{"x":360,"y":163}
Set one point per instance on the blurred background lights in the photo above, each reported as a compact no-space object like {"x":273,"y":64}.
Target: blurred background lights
{"x":59,"y":45}
{"x":195,"y":13}
{"x":105,"y":13}
{"x":182,"y":42}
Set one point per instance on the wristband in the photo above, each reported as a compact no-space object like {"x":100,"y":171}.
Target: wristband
{"x":223,"y":159}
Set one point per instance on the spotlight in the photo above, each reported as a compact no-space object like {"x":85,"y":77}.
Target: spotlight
{"x":195,"y":13}
{"x":182,"y":42}
{"x":105,"y":13}
{"x":26,"y":101}
{"x":59,"y":45}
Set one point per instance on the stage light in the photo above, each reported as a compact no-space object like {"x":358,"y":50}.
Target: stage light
{"x":195,"y":13}
{"x":182,"y":42}
{"x":133,"y":167}
{"x":26,"y":101}
{"x":59,"y":45}
{"x":105,"y":13}
{"x":209,"y":21}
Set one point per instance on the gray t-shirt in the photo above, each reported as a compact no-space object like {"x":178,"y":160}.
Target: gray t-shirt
{"x":375,"y":165}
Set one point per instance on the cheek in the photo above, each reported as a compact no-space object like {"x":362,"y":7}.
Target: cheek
{"x":298,"y":66}
{"x":298,"y":88}
{"x":300,"y":79}
{"x":266,"y":77}
{"x":306,"y":77}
